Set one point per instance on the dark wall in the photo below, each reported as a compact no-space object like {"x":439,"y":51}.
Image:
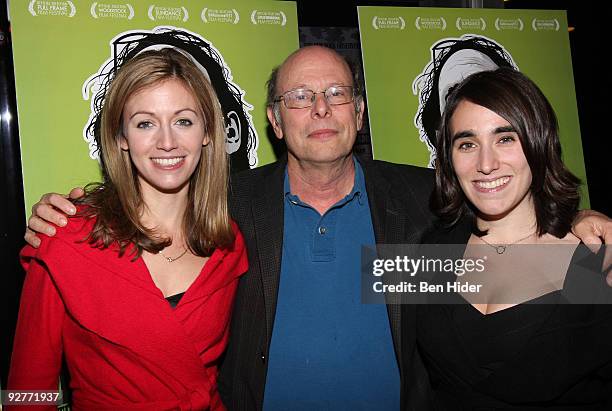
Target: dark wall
{"x":12,"y":216}
{"x":593,"y":87}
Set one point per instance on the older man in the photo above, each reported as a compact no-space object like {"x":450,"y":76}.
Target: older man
{"x":300,"y":337}
{"x":300,"y":333}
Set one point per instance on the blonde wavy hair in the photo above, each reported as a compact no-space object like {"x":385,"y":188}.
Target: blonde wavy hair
{"x":117,"y":203}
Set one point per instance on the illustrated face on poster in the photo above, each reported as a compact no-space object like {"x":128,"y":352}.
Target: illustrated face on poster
{"x":452,"y":60}
{"x":241,"y":137}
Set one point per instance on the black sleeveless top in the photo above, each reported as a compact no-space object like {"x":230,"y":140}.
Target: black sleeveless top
{"x":530,"y":356}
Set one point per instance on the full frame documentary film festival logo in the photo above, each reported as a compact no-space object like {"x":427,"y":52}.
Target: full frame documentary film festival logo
{"x":386,"y":23}
{"x":64,"y":8}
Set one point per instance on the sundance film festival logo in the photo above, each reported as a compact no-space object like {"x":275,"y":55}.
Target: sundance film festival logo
{"x":168,"y":13}
{"x":396,"y":23}
{"x":545,"y":25}
{"x":268,"y":17}
{"x":508,"y":24}
{"x":430,"y":23}
{"x":220,"y":16}
{"x":113,"y":11}
{"x":470,"y":24}
{"x":51,"y":8}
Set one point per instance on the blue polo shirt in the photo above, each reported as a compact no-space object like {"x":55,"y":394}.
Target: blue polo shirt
{"x":328,"y":350}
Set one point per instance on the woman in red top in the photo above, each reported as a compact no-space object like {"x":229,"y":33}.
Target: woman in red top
{"x":135,"y":293}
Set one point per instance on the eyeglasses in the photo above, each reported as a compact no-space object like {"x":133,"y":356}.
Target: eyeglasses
{"x":304,"y":98}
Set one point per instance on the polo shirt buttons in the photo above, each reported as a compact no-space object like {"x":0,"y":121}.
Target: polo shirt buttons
{"x":322,"y":230}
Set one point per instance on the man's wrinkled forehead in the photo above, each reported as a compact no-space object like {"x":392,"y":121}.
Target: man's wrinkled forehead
{"x":313,"y":63}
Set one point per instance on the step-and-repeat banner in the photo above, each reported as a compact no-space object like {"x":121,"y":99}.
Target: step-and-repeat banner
{"x":412,"y":56}
{"x":64,"y":51}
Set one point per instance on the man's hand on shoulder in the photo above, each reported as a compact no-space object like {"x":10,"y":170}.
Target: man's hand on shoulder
{"x":50,"y":211}
{"x":593,"y":229}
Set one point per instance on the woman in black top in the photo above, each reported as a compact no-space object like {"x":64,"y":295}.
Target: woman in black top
{"x":523,"y":341}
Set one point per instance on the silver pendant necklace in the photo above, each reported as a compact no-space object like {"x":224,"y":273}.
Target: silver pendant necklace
{"x":500,"y":249}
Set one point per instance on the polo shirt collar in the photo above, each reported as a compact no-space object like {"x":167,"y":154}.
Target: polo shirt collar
{"x":358,"y":190}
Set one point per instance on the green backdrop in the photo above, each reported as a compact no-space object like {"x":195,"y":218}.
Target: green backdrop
{"x":59,"y":44}
{"x":396,"y":45}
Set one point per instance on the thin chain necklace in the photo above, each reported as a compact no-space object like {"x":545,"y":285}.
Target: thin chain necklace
{"x":503,"y":247}
{"x":171,"y":259}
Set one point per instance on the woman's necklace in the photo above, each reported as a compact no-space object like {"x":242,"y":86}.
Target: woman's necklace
{"x":502,"y":247}
{"x":172,"y":259}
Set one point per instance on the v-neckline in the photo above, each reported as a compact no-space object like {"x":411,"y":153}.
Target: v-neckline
{"x":187,"y":292}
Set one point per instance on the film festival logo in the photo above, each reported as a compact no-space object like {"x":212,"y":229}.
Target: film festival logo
{"x":268,"y":17}
{"x":508,"y":24}
{"x":430,"y":23}
{"x":52,"y":8}
{"x":470,"y":24}
{"x":230,"y":16}
{"x":545,"y":25}
{"x":156,"y":13}
{"x":393,"y":23}
{"x":113,"y":11}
